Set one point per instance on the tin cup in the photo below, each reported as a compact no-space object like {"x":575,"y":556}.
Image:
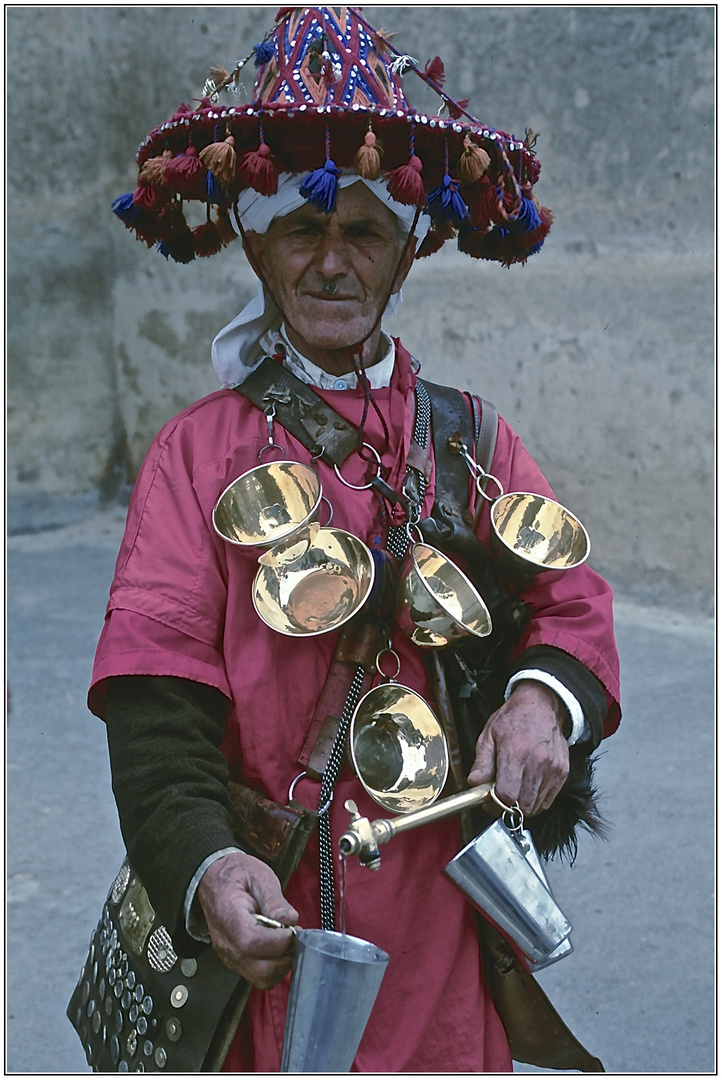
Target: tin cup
{"x":334,"y":985}
{"x":495,"y":875}
{"x":437,"y":604}
{"x":268,"y":504}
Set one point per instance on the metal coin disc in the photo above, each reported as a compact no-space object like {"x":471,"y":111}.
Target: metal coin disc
{"x":173,"y":1029}
{"x":142,"y":1025}
{"x":148,"y":1048}
{"x":160,"y":1057}
{"x":178,"y":996}
{"x":189,"y":966}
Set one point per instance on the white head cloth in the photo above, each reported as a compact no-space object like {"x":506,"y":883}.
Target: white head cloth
{"x":235,"y":350}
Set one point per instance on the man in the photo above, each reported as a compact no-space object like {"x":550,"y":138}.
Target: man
{"x":194,"y":688}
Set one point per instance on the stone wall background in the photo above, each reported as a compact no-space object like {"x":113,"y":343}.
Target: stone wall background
{"x":600,"y":351}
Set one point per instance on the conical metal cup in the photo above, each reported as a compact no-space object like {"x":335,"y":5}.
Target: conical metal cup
{"x":531,"y":533}
{"x":398,"y":748}
{"x":335,"y":981}
{"x":532,"y":857}
{"x":497,"y":879}
{"x":437,"y":604}
{"x":268,"y":504}
{"x":314,"y":582}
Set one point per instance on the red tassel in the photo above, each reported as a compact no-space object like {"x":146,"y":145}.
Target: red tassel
{"x":368,"y":158}
{"x":457,"y":108}
{"x":185,"y":173}
{"x":481,"y":200}
{"x":206,"y":239}
{"x":434,"y":72}
{"x":405,"y":183}
{"x":220,"y":159}
{"x":258,"y":170}
{"x":147,"y":197}
{"x":431,"y":243}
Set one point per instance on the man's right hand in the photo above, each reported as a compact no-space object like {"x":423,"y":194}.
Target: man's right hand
{"x":230,"y":892}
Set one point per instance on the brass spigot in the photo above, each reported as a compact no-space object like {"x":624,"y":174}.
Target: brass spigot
{"x":364,"y":837}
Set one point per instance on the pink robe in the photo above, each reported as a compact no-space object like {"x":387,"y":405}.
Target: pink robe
{"x":180,"y":604}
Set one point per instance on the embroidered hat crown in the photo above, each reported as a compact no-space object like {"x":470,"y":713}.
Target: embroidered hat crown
{"x":329,"y":95}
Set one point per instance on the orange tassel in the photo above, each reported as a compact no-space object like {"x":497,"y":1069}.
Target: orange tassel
{"x":220,"y":158}
{"x":473,"y":163}
{"x":223,"y":224}
{"x":152,"y":171}
{"x":368,"y":157}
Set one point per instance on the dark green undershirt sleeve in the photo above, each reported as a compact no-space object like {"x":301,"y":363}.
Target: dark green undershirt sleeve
{"x":169,"y":781}
{"x":585,"y":686}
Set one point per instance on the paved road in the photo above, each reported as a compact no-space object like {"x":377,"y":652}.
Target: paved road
{"x":639,"y":988}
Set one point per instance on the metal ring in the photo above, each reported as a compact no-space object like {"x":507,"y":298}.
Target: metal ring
{"x":271,"y":446}
{"x":293,"y":785}
{"x":419,"y":538}
{"x":481,"y":478}
{"x":391,"y":652}
{"x":361,"y":487}
{"x":330,"y":511}
{"x":510,"y":812}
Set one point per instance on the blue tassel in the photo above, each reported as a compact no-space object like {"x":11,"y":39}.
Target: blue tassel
{"x":214,"y":192}
{"x":263,"y":52}
{"x":126,"y":209}
{"x":528,"y":215}
{"x":320,"y":186}
{"x":451,"y":206}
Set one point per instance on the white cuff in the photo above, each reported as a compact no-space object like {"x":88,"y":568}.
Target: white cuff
{"x":194,"y":921}
{"x":576,"y":713}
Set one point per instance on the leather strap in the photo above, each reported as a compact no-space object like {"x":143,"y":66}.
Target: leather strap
{"x":300,"y":411}
{"x":357,"y":647}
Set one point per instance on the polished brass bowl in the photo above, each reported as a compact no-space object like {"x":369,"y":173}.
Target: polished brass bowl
{"x":314,"y":582}
{"x":437,"y":604}
{"x":398,"y":749}
{"x":268,"y":504}
{"x":532,"y":533}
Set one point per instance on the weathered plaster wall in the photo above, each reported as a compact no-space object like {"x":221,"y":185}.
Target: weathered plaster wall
{"x":600,"y":351}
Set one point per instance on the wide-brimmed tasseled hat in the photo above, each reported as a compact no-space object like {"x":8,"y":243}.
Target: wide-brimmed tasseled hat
{"x":329,"y":96}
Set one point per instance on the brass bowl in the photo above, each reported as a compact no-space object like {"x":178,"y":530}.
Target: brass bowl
{"x":398,"y":749}
{"x":531,"y":533}
{"x":437,"y":604}
{"x":268,"y":504}
{"x":314,"y":582}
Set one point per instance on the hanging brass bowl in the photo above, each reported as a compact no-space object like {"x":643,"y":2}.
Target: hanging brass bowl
{"x":437,"y":604}
{"x":531,"y":533}
{"x":398,"y":748}
{"x":314,"y":582}
{"x":268,"y":504}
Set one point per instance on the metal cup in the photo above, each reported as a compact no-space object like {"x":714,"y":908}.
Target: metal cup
{"x":494,"y":874}
{"x":398,"y":748}
{"x":532,"y":857}
{"x":314,"y":582}
{"x":333,"y":988}
{"x":437,"y":604}
{"x":268,"y":504}
{"x":531,"y":533}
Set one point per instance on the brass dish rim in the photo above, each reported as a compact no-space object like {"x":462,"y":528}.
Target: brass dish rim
{"x":521,"y":554}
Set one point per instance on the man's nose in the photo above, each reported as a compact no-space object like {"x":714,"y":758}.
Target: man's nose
{"x":332,"y":254}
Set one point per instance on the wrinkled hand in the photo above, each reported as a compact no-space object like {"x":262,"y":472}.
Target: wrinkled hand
{"x":522,"y":749}
{"x":230,"y":891}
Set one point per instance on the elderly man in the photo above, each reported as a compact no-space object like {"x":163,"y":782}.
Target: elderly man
{"x":195,"y":689}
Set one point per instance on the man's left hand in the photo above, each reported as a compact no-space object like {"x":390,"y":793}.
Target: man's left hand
{"x":522,"y":749}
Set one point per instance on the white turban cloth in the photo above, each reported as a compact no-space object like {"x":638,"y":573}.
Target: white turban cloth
{"x":236,"y":350}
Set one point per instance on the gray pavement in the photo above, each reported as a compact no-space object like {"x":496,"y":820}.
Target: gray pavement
{"x":639,"y":989}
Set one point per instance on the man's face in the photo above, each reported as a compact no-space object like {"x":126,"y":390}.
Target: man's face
{"x":354,"y":251}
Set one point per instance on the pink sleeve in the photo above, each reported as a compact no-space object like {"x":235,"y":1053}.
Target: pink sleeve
{"x":571,"y":609}
{"x":133,"y":644}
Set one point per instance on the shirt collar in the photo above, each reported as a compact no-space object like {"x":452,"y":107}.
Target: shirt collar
{"x":379,"y":374}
